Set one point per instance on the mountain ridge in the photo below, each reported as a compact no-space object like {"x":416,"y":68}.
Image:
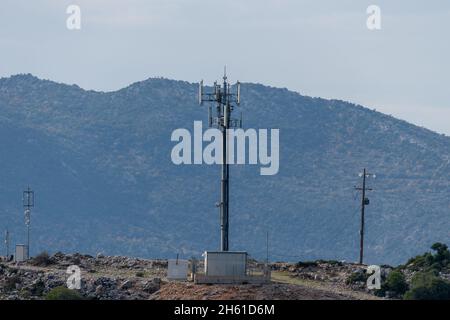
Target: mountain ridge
{"x":112,"y":152}
{"x":149,"y":80}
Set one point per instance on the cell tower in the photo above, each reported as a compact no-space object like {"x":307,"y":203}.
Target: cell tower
{"x":225,"y":102}
{"x":364,"y":202}
{"x":28,"y":203}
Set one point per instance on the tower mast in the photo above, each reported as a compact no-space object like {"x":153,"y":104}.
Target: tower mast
{"x":225,"y":101}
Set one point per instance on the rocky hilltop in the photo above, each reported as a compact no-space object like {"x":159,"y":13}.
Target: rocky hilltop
{"x":425,"y":276}
{"x":112,"y":278}
{"x":118,"y":278}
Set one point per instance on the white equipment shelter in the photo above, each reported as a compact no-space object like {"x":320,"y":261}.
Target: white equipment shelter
{"x":21,"y":253}
{"x":226,"y":263}
{"x":177,"y":269}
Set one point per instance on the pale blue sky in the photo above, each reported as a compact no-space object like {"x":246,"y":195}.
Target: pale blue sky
{"x":319,"y":48}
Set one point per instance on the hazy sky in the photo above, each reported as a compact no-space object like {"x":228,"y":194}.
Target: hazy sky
{"x":319,"y":48}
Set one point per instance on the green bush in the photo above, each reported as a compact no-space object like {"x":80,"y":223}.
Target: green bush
{"x":63,"y":293}
{"x":357,"y":277}
{"x":438,"y":261}
{"x":395,"y":283}
{"x":428,"y":286}
{"x":140,"y":274}
{"x":420,"y":261}
{"x":441,"y":249}
{"x":442,"y":256}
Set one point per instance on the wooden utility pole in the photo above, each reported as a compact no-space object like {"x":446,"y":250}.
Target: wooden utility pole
{"x":364,"y":202}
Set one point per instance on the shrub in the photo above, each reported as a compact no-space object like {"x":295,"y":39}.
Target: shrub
{"x":442,"y":256}
{"x":335,"y":263}
{"x":428,"y":286}
{"x":63,"y":293}
{"x":42,"y":260}
{"x":438,"y":261}
{"x":440,"y":248}
{"x":38,"y":288}
{"x":395,"y":283}
{"x":140,"y":274}
{"x":420,"y":261}
{"x":25,"y":294}
{"x":10,"y":282}
{"x":357,"y":277}
{"x":76,"y":260}
{"x":305,"y":264}
{"x":331,"y":262}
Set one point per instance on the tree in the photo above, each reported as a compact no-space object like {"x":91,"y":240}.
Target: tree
{"x":442,"y":255}
{"x":428,"y":286}
{"x":396,"y":283}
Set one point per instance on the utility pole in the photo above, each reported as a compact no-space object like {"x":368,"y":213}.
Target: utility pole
{"x":28,"y":203}
{"x":364,"y":202}
{"x":225,"y":102}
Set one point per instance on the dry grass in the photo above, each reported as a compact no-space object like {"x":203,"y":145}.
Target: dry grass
{"x":285,"y":277}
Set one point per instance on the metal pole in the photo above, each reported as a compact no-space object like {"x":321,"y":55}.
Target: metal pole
{"x":225,"y":169}
{"x":361,"y":245}
{"x":28,"y":241}
{"x":28,"y":203}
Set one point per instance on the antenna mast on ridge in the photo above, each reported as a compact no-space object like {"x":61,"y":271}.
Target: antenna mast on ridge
{"x":225,"y":102}
{"x":28,"y":203}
